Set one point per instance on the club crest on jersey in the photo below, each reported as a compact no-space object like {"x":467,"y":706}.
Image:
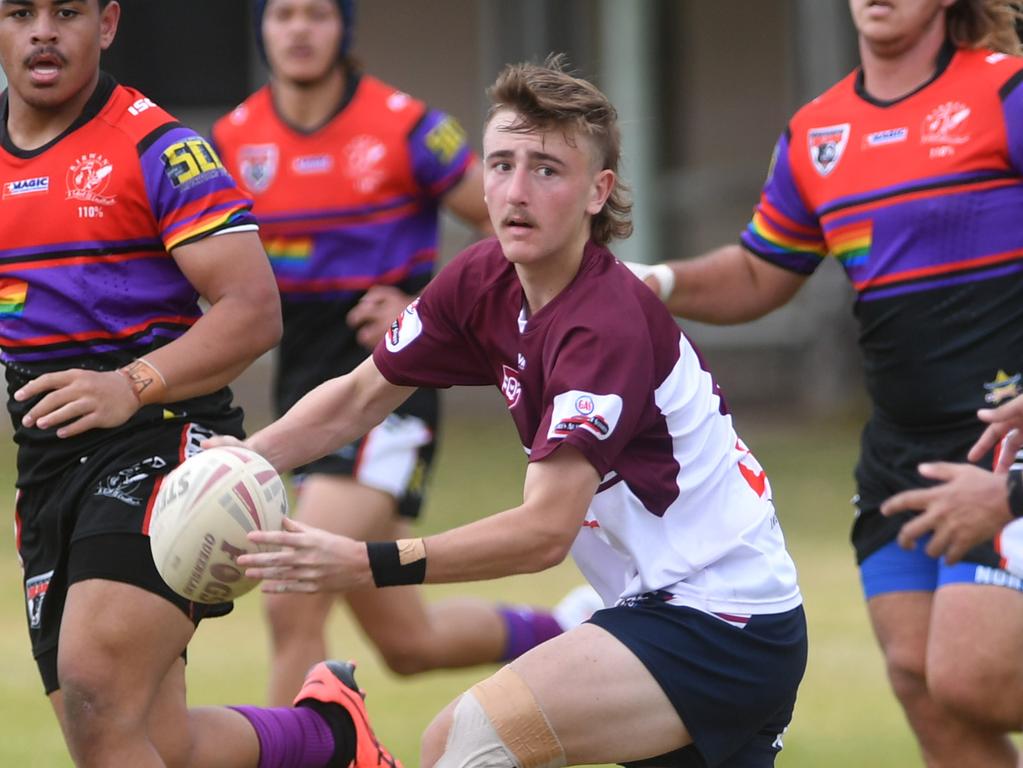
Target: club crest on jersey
{"x":595,"y":414}
{"x":945,"y":124}
{"x":405,"y":329}
{"x":258,"y":165}
{"x":826,"y":146}
{"x":35,"y":592}
{"x":27,"y":186}
{"x":87,"y":179}
{"x":1004,"y":387}
{"x":511,"y":387}
{"x":364,"y":157}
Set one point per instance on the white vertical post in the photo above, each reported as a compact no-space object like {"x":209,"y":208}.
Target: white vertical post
{"x":627,"y":74}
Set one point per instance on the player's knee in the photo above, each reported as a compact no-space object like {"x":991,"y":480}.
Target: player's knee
{"x":406,"y":655}
{"x":498,"y":724}
{"x":907,"y":674}
{"x":976,"y":697}
{"x":91,"y":711}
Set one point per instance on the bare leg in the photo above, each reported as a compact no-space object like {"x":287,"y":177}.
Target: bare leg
{"x":902,"y":623}
{"x":583,"y":677}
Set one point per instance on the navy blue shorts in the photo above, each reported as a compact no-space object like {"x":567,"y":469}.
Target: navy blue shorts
{"x":734,"y":688}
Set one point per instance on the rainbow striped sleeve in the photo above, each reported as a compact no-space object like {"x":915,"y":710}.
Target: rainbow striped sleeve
{"x":782,"y":230}
{"x":191,"y":193}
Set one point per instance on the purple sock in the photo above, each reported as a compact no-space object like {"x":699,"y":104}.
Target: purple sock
{"x":290,"y":737}
{"x":527,"y":628}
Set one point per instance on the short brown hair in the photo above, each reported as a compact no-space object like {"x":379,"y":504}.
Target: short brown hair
{"x":547,"y":96}
{"x":985,"y":24}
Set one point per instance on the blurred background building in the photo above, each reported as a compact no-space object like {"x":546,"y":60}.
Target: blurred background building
{"x":703,"y":90}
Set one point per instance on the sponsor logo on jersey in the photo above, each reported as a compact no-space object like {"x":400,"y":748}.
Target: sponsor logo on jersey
{"x":140,"y":106}
{"x":27,"y":186}
{"x":592,"y":413}
{"x":1004,"y":387}
{"x":511,"y":387}
{"x":446,"y":140}
{"x":826,"y":146}
{"x":363,"y":158}
{"x":312,"y":164}
{"x":88,"y":177}
{"x":405,"y":329}
{"x":945,"y":124}
{"x":258,"y":165}
{"x":887,"y":136}
{"x":190,"y":162}
{"x":35,"y":592}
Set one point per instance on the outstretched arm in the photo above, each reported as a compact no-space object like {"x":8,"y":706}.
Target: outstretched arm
{"x":724,"y":286}
{"x":531,"y":537}
{"x":333,"y":414}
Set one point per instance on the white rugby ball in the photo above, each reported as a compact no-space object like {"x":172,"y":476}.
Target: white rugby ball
{"x":203,"y":511}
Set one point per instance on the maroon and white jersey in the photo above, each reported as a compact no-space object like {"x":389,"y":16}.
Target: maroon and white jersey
{"x":683,"y":507}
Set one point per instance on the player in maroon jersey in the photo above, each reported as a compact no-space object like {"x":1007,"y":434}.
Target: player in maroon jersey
{"x":634,"y":466}
{"x":115,"y":218}
{"x":910,"y":172}
{"x":349,"y":176}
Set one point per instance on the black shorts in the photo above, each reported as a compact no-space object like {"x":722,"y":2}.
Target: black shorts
{"x":395,"y":457}
{"x":888,"y":465}
{"x":92,"y":522}
{"x":734,"y":688}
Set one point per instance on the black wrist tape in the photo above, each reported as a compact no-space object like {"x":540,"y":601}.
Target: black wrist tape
{"x":1015,"y":484}
{"x":388,"y":570}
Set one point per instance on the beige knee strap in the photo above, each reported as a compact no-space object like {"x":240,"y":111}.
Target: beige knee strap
{"x":518,"y":720}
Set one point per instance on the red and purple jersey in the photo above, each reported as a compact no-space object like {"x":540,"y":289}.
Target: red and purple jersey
{"x":919,"y":200}
{"x":349,"y":205}
{"x":682,"y":506}
{"x":88,"y":221}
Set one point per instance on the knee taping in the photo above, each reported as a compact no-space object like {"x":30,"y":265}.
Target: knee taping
{"x":499,"y":724}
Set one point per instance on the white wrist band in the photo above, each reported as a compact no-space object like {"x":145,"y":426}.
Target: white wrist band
{"x":665,"y":276}
{"x":665,"y":279}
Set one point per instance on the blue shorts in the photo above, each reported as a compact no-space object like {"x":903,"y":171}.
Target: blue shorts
{"x":894,"y":569}
{"x":734,"y":688}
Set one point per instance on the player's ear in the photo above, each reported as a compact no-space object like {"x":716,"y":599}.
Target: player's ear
{"x":109,"y":16}
{"x":603,"y":183}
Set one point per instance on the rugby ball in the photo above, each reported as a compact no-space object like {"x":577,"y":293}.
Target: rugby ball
{"x":203,"y":511}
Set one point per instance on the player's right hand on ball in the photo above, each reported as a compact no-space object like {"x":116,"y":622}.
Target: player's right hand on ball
{"x":77,"y":400}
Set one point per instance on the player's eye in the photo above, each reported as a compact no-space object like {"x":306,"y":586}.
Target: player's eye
{"x":67,"y":13}
{"x":545,"y":170}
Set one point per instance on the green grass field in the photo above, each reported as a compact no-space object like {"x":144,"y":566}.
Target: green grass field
{"x":845,"y":715}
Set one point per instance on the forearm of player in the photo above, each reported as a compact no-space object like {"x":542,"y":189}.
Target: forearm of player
{"x":214,"y":351}
{"x":331,"y":415}
{"x":243,"y":321}
{"x":729,"y":285}
{"x":531,"y":537}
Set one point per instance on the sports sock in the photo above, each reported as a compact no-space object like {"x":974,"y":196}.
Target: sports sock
{"x":298,"y":737}
{"x":526,"y":628}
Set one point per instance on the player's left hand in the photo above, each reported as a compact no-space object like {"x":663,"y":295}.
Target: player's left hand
{"x":375,"y":312}
{"x":78,"y":400}
{"x":308,"y":560}
{"x":970,"y":506}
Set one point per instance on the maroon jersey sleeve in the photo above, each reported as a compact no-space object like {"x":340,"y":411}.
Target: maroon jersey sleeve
{"x":429,"y":344}
{"x":598,"y":390}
